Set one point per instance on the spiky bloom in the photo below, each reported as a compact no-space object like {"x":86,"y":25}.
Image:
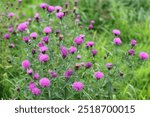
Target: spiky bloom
{"x":43,"y":6}
{"x":37,"y":17}
{"x":19,"y":1}
{"x":131,"y":52}
{"x":116,"y":32}
{"x":133,"y":42}
{"x":36,"y":91}
{"x":47,"y":30}
{"x":58,"y":8}
{"x":78,"y":40}
{"x":36,"y":76}
{"x":89,"y":44}
{"x":91,"y":26}
{"x":50,"y":9}
{"x":77,"y":86}
{"x":117,"y":41}
{"x":34,"y":35}
{"x":43,"y":57}
{"x":43,"y":49}
{"x":63,"y":51}
{"x":31,"y":86}
{"x":10,"y":15}
{"x":143,"y":55}
{"x":26,"y":39}
{"x":78,"y":57}
{"x":41,"y":44}
{"x":22,"y":27}
{"x":12,"y":45}
{"x":53,"y":74}
{"x":29,"y":71}
{"x":26,"y":64}
{"x":98,"y":75}
{"x":68,"y":73}
{"x":45,"y":39}
{"x":94,"y":52}
{"x":10,"y":29}
{"x":44,"y":82}
{"x":109,"y":66}
{"x":72,"y":49}
{"x":88,"y":65}
{"x":6,"y":36}
{"x":60,"y":15}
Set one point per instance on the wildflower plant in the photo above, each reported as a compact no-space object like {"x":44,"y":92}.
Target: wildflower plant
{"x":58,"y":57}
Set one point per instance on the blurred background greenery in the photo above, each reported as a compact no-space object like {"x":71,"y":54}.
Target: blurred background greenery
{"x":132,"y":17}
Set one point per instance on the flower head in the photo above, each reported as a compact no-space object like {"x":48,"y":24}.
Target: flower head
{"x":47,"y":30}
{"x":117,"y":41}
{"x":43,"y":57}
{"x":36,"y":91}
{"x":44,"y":82}
{"x":131,"y":52}
{"x":43,"y":49}
{"x":22,"y":27}
{"x":53,"y":74}
{"x":43,"y":5}
{"x":72,"y":49}
{"x":109,"y":66}
{"x":10,"y":15}
{"x":63,"y":51}
{"x":6,"y":36}
{"x":133,"y":42}
{"x":78,"y":40}
{"x":88,"y":65}
{"x":78,"y":57}
{"x":98,"y":75}
{"x":34,"y":35}
{"x":60,"y":15}
{"x":31,"y":86}
{"x":29,"y":71}
{"x":36,"y":76}
{"x":94,"y":52}
{"x":68,"y":73}
{"x":26,"y":39}
{"x":50,"y":9}
{"x":45,"y":39}
{"x":77,"y":86}
{"x":58,"y":8}
{"x":116,"y":32}
{"x":89,"y":44}
{"x":143,"y":55}
{"x":26,"y":64}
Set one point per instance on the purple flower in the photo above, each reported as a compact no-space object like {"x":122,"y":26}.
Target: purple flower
{"x":90,"y":26}
{"x":31,"y":86}
{"x":10,"y":29}
{"x":43,"y":5}
{"x":98,"y":75}
{"x":89,"y":44}
{"x":26,"y":39}
{"x":10,"y":15}
{"x":34,"y":35}
{"x":6,"y":36}
{"x":26,"y":64}
{"x":43,"y":49}
{"x":12,"y":45}
{"x":60,"y":15}
{"x":77,"y":86}
{"x":116,"y":32}
{"x":50,"y":9}
{"x":47,"y":30}
{"x":45,"y":39}
{"x":63,"y":51}
{"x":36,"y":91}
{"x":78,"y":40}
{"x":44,"y":82}
{"x":68,"y":73}
{"x":72,"y":49}
{"x":53,"y":74}
{"x":133,"y":42}
{"x":88,"y":65}
{"x":36,"y":76}
{"x":78,"y":57}
{"x":43,"y":57}
{"x":58,"y":8}
{"x":94,"y":52}
{"x":22,"y":27}
{"x":131,"y":52}
{"x":143,"y":55}
{"x":41,"y":44}
{"x":109,"y":66}
{"x":117,"y":41}
{"x":37,"y":17}
{"x":57,"y":32}
{"x":29,"y":71}
{"x":82,"y":36}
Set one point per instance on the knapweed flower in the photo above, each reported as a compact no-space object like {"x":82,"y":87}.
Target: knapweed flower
{"x":88,"y":65}
{"x":77,"y":86}
{"x":47,"y":30}
{"x":98,"y":75}
{"x":43,"y":5}
{"x":10,"y":29}
{"x":57,"y":32}
{"x":131,"y":52}
{"x":89,"y":44}
{"x":37,"y":17}
{"x":78,"y":57}
{"x":133,"y":42}
{"x":60,"y":15}
{"x":36,"y":76}
{"x":78,"y":40}
{"x":43,"y":49}
{"x":41,"y":44}
{"x":26,"y":64}
{"x":91,"y":26}
{"x":63,"y":51}
{"x":43,"y":57}
{"x":53,"y":74}
{"x":45,"y":39}
{"x":72,"y":49}
{"x":12,"y":45}
{"x":94,"y":52}
{"x":29,"y":71}
{"x":6,"y":36}
{"x":34,"y":35}
{"x":82,"y":36}
{"x":10,"y":15}
{"x":58,"y":8}
{"x":143,"y":55}
{"x":50,"y":9}
{"x":31,"y":86}
{"x":26,"y":39}
{"x":22,"y":27}
{"x":68,"y":73}
{"x":109,"y":66}
{"x":44,"y":82}
{"x":36,"y":91}
{"x":116,"y":32}
{"x":117,"y":41}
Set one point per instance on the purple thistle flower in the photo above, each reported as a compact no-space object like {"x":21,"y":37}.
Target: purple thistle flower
{"x":31,"y":86}
{"x":58,"y":8}
{"x":22,"y":27}
{"x":63,"y":51}
{"x":78,"y":57}
{"x":26,"y":39}
{"x":143,"y":55}
{"x":44,"y":82}
{"x":36,"y":76}
{"x":34,"y":35}
{"x":37,"y":17}
{"x":77,"y":86}
{"x":131,"y":52}
{"x":72,"y":49}
{"x":43,"y":6}
{"x":117,"y":41}
{"x":116,"y":32}
{"x":12,"y":45}
{"x":53,"y":74}
{"x":50,"y":9}
{"x":47,"y":30}
{"x":98,"y":75}
{"x":45,"y":39}
{"x":6,"y":36}
{"x":41,"y":44}
{"x":133,"y":42}
{"x":60,"y":15}
{"x":78,"y":40}
{"x":10,"y":15}
{"x":29,"y":71}
{"x":94,"y":52}
{"x":26,"y":64}
{"x":43,"y":49}
{"x":88,"y":65}
{"x":68,"y":73}
{"x":36,"y":91}
{"x":89,"y":44}
{"x":43,"y":57}
{"x":91,"y":26}
{"x":109,"y":66}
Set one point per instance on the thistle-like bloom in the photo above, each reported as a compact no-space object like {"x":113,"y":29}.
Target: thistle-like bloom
{"x":10,"y":29}
{"x":36,"y":91}
{"x":36,"y":76}
{"x":60,"y":15}
{"x":41,"y":44}
{"x":78,"y":40}
{"x":43,"y":6}
{"x":6,"y":36}
{"x":26,"y":64}
{"x":63,"y":51}
{"x":43,"y":57}
{"x":143,"y":55}
{"x":44,"y":82}
{"x":12,"y":45}
{"x":89,"y":44}
{"x":91,"y":26}
{"x":98,"y":75}
{"x":72,"y":49}
{"x":31,"y":86}
{"x":116,"y":32}
{"x":133,"y":42}
{"x":26,"y":39}
{"x":117,"y":41}
{"x":45,"y":39}
{"x":88,"y":65}
{"x":10,"y":15}
{"x":77,"y":86}
{"x":68,"y":73}
{"x":58,"y":8}
{"x":22,"y":27}
{"x":47,"y":30}
{"x":53,"y":74}
{"x":50,"y":9}
{"x":94,"y":52}
{"x":43,"y":49}
{"x":37,"y":17}
{"x":131,"y":52}
{"x":78,"y":57}
{"x":109,"y":66}
{"x":34,"y":35}
{"x":29,"y":71}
